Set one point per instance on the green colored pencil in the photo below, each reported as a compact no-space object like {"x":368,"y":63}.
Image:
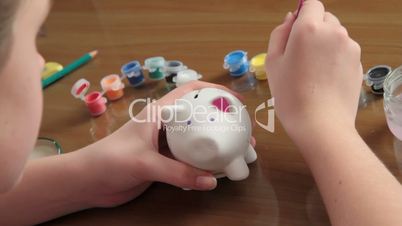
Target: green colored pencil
{"x":68,"y":69}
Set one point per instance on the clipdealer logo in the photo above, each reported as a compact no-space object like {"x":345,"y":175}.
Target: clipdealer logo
{"x":153,"y":114}
{"x":270,"y":126}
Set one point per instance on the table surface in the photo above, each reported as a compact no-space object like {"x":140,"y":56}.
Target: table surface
{"x":280,"y":189}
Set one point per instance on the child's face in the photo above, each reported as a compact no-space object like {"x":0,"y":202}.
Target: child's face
{"x":20,"y":91}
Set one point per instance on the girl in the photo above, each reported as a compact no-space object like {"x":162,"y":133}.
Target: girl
{"x":323,"y":60}
{"x":77,"y":180}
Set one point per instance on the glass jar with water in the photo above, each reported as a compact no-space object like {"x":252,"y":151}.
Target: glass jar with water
{"x":393,"y":101}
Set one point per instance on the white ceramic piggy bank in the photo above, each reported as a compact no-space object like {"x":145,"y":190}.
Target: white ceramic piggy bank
{"x":210,"y":129}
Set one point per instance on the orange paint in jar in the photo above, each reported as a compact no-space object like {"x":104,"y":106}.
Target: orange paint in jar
{"x":113,"y":87}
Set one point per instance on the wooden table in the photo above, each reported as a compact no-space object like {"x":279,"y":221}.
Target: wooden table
{"x":280,"y":189}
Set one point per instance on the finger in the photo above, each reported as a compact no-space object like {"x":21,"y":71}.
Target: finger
{"x":312,"y":10}
{"x":331,"y":19}
{"x":166,"y":170}
{"x":280,"y":35}
{"x":253,"y":142}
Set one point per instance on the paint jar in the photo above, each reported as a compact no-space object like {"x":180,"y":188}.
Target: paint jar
{"x":50,"y":69}
{"x":393,"y":102}
{"x":237,"y":63}
{"x":186,"y":76}
{"x":155,"y":66}
{"x":375,"y":78}
{"x":173,"y":67}
{"x":113,"y":87}
{"x":257,"y":66}
{"x":94,"y":101}
{"x":133,"y":72}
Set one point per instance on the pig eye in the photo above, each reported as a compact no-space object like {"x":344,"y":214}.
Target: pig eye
{"x":212,"y":119}
{"x":189,"y":122}
{"x":196,"y":96}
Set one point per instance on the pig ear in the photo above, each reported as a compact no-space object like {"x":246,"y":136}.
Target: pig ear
{"x":222,"y":104}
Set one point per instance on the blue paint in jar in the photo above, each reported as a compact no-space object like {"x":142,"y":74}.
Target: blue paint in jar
{"x":237,"y":63}
{"x":133,"y":72}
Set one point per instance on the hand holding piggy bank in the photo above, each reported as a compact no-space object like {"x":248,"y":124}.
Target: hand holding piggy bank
{"x":210,"y":129}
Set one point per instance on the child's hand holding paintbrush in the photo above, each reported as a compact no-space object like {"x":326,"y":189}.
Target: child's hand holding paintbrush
{"x":309,"y":53}
{"x":315,"y":75}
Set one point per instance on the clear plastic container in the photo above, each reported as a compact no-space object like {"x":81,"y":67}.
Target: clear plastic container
{"x":173,"y":67}
{"x":376,"y":76}
{"x":257,"y":66}
{"x":186,"y":76}
{"x":237,"y":63}
{"x":133,"y":71}
{"x":113,"y":87}
{"x":155,"y":66}
{"x":393,"y":102}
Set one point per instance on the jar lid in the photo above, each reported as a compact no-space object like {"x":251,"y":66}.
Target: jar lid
{"x":235,"y":58}
{"x":378,"y":73}
{"x":174,"y":66}
{"x":80,"y":88}
{"x":129,"y":69}
{"x":186,"y":76}
{"x":154,"y":63}
{"x":375,"y":78}
{"x":111,"y":82}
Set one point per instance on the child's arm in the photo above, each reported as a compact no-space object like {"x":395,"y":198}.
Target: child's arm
{"x":107,"y":173}
{"x":315,"y":75}
{"x":50,"y":187}
{"x":356,"y":187}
